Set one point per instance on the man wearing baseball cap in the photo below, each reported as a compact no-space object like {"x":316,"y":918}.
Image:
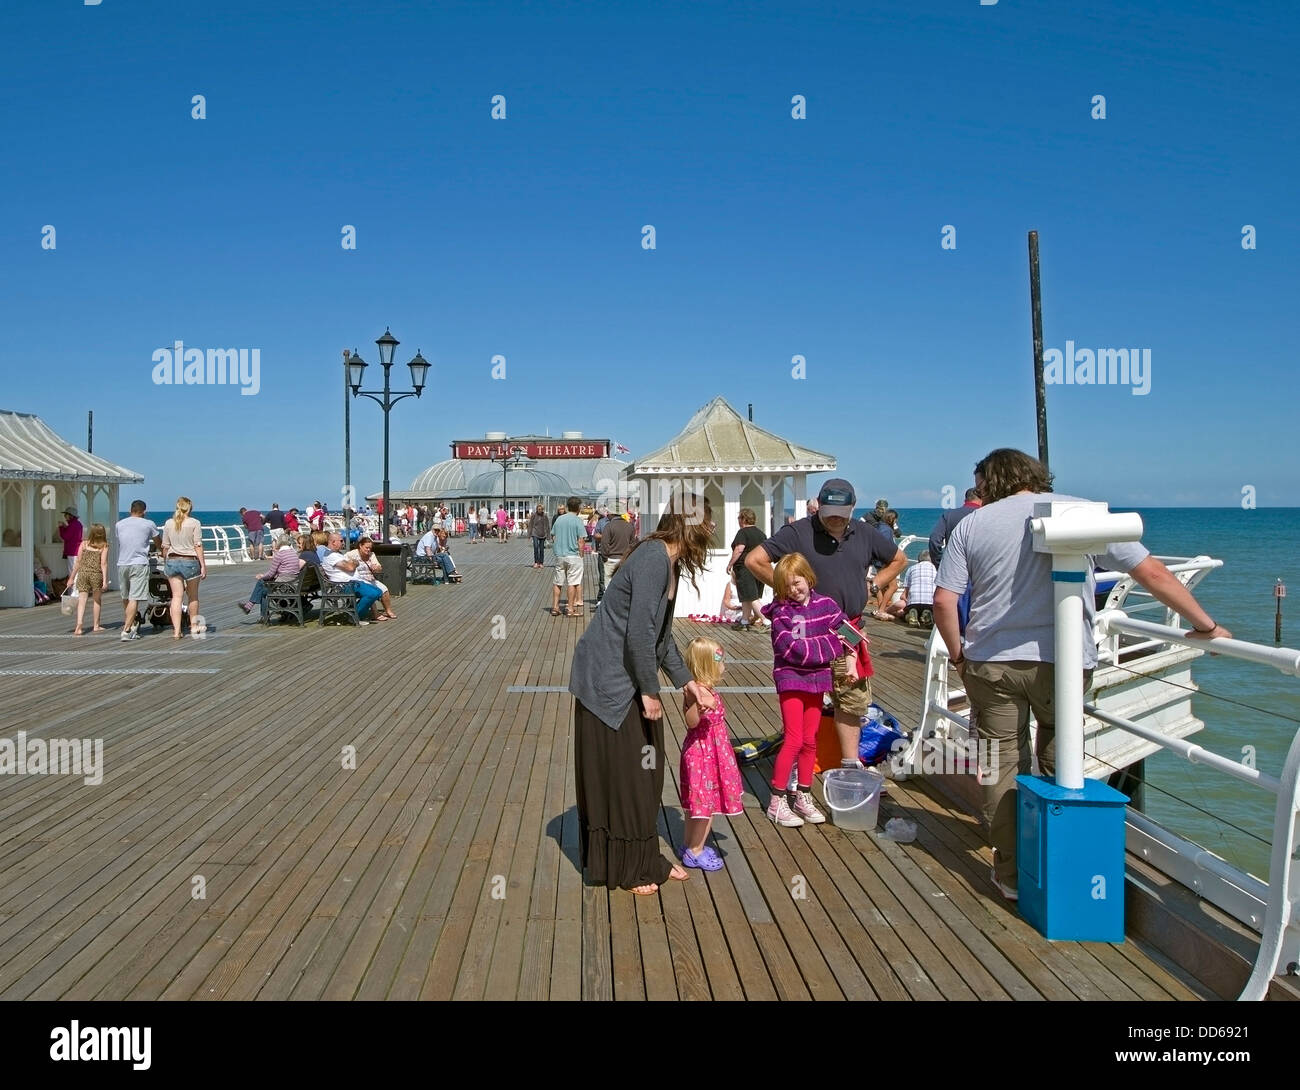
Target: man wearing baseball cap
{"x":840,"y":551}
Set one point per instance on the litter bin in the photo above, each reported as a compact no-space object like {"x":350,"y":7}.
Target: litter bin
{"x":393,"y":557}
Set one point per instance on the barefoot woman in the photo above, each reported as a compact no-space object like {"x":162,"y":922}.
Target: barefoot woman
{"x":618,"y":718}
{"x":183,"y":562}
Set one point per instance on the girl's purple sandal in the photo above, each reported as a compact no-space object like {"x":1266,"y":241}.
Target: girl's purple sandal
{"x":707,"y":859}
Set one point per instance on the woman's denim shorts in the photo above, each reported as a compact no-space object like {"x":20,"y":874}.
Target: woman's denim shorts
{"x":186,"y":569}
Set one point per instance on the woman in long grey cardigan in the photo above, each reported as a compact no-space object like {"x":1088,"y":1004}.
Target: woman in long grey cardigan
{"x":618,"y":748}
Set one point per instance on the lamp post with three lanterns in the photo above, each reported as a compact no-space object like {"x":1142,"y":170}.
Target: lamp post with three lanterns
{"x":386,"y":398}
{"x":509,"y":458}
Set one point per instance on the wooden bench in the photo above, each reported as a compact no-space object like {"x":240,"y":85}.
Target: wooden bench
{"x":292,"y":597}
{"x":425,"y":569}
{"x":337,"y":600}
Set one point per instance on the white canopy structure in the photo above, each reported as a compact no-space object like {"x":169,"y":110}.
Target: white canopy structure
{"x":733,"y":463}
{"x":40,"y":475}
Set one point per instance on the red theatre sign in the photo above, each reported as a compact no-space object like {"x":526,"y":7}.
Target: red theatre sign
{"x":557,"y":449}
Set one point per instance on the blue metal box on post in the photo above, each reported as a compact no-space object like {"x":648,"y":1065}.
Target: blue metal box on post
{"x":1070,"y":833}
{"x":1070,"y":853}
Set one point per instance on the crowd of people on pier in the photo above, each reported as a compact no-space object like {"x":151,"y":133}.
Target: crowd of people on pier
{"x":990,"y":594}
{"x":825,"y":568}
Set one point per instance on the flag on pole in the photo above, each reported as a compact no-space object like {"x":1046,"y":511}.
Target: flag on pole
{"x":622,"y":449}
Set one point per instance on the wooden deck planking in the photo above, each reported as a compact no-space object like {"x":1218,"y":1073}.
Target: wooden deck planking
{"x":378,"y":882}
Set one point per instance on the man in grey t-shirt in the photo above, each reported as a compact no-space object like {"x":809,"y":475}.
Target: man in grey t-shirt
{"x":134,"y":535}
{"x":1007,"y":660}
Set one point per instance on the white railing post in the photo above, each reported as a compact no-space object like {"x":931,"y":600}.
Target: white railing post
{"x":1279,"y":940}
{"x":1280,"y":934}
{"x":1069,"y":531}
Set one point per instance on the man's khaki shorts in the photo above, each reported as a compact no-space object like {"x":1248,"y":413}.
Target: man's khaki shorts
{"x":568,"y":571}
{"x":851,"y":699}
{"x":134,"y":581}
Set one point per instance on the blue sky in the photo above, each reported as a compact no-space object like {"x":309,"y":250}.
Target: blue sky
{"x":775,"y":237}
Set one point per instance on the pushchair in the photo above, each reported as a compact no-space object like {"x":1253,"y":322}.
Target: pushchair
{"x":157,"y":610}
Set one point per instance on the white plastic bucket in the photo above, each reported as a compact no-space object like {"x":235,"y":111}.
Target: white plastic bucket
{"x":853,"y":797}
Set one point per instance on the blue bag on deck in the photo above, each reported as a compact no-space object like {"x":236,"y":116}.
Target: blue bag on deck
{"x":879,"y":733}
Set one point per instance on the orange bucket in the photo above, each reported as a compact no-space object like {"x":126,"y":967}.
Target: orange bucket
{"x":828,"y":745}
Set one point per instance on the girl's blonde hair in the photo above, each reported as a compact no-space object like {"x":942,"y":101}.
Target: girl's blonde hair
{"x":700,"y":660}
{"x":98,"y":535}
{"x":183,"y":509}
{"x":787,"y":568}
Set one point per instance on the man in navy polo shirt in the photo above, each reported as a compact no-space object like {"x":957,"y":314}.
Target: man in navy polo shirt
{"x":840,"y":551}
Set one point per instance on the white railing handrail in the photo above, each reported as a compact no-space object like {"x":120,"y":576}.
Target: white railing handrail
{"x":1189,"y":570}
{"x":1190,"y":751}
{"x":1285,"y":659}
{"x":224,"y":544}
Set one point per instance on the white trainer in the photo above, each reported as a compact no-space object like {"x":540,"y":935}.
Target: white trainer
{"x":1009,"y":892}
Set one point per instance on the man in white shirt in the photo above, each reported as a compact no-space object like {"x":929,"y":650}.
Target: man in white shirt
{"x":1010,"y":637}
{"x":134,"y":535}
{"x":355,"y":568}
{"x":917,"y":587}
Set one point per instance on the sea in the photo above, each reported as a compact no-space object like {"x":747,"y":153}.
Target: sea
{"x":1249,"y":711}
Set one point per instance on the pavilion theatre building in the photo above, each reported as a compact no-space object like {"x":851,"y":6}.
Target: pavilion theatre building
{"x":521,"y":471}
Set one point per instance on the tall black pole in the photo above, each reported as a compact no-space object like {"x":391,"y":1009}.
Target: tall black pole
{"x":348,"y":499}
{"x":383,"y":520}
{"x":90,"y":432}
{"x":1040,"y":388}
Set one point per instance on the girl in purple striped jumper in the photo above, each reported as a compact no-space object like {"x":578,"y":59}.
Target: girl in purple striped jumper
{"x":804,"y":644}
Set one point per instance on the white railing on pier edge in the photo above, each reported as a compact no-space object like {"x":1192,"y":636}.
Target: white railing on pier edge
{"x":1269,"y":908}
{"x":1232,"y":889}
{"x":225,"y":544}
{"x":1130,"y":596}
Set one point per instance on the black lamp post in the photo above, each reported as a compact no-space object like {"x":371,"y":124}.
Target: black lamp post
{"x":348,"y":500}
{"x":386,"y":399}
{"x":511,"y":458}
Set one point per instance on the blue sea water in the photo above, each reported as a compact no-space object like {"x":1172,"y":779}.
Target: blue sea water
{"x":1242,"y":705}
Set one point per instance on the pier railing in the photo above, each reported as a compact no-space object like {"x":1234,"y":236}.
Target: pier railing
{"x":1269,"y":908}
{"x":225,"y":544}
{"x":1266,"y":907}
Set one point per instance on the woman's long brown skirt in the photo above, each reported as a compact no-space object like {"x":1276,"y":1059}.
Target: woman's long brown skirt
{"x":619,"y":776}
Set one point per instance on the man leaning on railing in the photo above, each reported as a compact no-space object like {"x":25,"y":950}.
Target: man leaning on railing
{"x":1010,"y":636}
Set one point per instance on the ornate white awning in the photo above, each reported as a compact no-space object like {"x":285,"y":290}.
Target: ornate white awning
{"x":30,"y":450}
{"x":717,"y":440}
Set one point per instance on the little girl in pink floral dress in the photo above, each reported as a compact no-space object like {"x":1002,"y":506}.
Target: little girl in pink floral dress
{"x":710,"y":777}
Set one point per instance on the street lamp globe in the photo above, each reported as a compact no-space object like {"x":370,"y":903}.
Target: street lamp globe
{"x":387,"y":346}
{"x":356,"y":372}
{"x":419,"y":372}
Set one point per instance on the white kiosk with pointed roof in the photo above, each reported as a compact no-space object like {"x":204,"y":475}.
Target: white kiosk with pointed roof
{"x":40,"y":475}
{"x":734,"y":464}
